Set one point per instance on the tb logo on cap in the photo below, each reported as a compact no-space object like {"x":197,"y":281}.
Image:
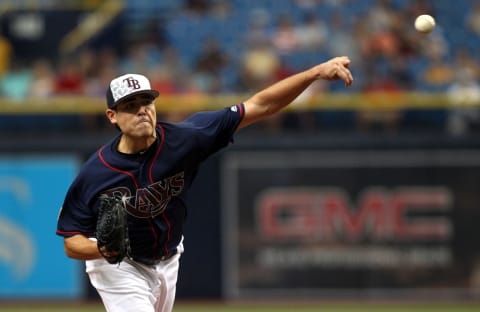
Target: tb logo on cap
{"x":132,"y":83}
{"x":126,"y":85}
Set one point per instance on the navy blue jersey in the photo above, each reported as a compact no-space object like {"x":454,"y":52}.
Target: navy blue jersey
{"x":153,"y":184}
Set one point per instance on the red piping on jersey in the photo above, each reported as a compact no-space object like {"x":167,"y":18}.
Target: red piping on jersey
{"x":116,"y":169}
{"x":165,"y":247}
{"x":155,"y":235}
{"x":150,"y":175}
{"x":160,"y":145}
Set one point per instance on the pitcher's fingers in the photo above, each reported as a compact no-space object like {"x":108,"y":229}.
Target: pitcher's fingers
{"x":345,"y":74}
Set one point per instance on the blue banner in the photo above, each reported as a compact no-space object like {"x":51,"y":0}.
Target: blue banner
{"x":32,"y":261}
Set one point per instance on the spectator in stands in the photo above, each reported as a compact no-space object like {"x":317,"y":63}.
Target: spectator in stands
{"x":380,"y":16}
{"x":311,"y":33}
{"x":381,"y":20}
{"x":197,"y":7}
{"x":211,"y":58}
{"x":69,"y":80}
{"x":438,"y":74}
{"x":335,"y":3}
{"x":174,"y":65}
{"x":220,"y":9}
{"x":439,"y":71}
{"x":161,"y":79}
{"x":106,"y":66}
{"x":259,"y":66}
{"x":464,"y":98}
{"x":341,"y":37}
{"x":401,"y":74}
{"x":43,"y":79}
{"x":284,"y":36}
{"x":88,"y":63}
{"x":418,"y":7}
{"x":5,"y":54}
{"x":108,"y":57}
{"x":140,"y":57}
{"x":95,"y":85}
{"x":406,"y":38}
{"x":209,"y":65}
{"x":472,"y":21}
{"x":306,"y":5}
{"x":258,"y":27}
{"x":463,"y":58}
{"x":435,"y":45}
{"x":15,"y":83}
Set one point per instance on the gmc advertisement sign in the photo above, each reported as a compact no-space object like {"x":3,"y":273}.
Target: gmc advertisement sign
{"x":351,"y":223}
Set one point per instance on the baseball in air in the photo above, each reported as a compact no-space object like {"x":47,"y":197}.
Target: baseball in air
{"x":424,"y":23}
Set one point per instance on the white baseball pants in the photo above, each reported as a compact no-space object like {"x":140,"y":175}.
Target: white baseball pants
{"x":131,"y":286}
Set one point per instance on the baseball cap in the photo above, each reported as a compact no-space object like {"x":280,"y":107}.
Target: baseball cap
{"x":127,"y":85}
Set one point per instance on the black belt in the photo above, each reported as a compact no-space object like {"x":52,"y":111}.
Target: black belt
{"x":154,"y":261}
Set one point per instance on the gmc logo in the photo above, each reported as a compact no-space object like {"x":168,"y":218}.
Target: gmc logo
{"x":329,"y":215}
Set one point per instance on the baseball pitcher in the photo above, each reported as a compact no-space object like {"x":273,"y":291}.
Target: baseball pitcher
{"x":124,"y":213}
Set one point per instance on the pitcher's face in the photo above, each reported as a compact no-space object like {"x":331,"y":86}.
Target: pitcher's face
{"x":136,"y":116}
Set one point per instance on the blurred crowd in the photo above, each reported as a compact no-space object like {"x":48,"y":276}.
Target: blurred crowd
{"x":218,"y":46}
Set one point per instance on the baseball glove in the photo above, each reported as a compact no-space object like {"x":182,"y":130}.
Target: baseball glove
{"x":112,"y":230}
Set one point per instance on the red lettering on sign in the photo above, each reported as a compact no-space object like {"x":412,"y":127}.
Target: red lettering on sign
{"x":381,"y":215}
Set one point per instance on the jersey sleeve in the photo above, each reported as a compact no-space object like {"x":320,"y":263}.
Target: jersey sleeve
{"x":215,"y":129}
{"x":75,"y":215}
